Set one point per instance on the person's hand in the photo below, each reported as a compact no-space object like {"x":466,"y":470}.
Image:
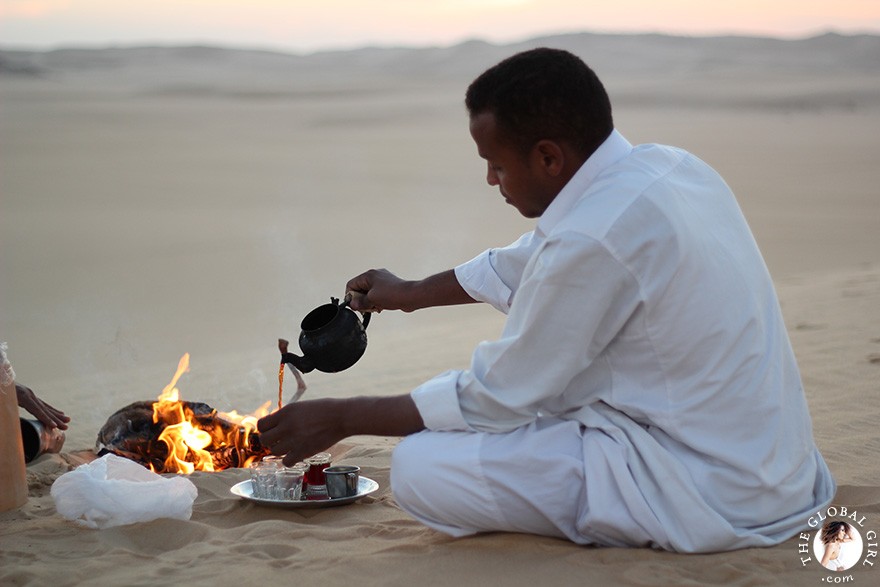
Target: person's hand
{"x":49,"y":416}
{"x":377,"y":290}
{"x":302,"y":429}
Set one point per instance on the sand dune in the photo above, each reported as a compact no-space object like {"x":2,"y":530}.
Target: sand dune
{"x":829,"y":66}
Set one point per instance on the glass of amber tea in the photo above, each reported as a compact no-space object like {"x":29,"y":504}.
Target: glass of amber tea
{"x":315,"y":481}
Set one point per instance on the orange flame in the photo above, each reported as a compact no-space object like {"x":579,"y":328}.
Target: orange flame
{"x":192,"y":445}
{"x":248,"y":425}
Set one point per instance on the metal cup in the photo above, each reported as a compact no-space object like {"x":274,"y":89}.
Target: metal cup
{"x":37,"y":439}
{"x":342,"y":480}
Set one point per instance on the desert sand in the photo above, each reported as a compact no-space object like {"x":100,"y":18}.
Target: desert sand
{"x":155,"y":202}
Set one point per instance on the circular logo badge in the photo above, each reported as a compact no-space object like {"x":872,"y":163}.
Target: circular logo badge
{"x":838,"y":545}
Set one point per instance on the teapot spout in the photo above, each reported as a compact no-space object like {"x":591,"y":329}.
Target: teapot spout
{"x":302,"y":364}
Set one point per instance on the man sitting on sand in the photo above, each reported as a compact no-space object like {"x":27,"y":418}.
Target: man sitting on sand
{"x":643,"y":392}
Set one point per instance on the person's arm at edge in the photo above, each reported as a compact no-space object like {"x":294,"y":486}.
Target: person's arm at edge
{"x":45,"y":413}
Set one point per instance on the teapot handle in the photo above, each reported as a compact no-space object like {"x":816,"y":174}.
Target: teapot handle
{"x":346,"y":302}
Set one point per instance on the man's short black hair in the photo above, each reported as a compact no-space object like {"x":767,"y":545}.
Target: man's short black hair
{"x":544,"y":94}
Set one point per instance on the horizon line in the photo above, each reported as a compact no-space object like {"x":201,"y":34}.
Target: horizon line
{"x":216,"y":44}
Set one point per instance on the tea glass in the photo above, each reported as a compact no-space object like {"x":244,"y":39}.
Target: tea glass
{"x":289,"y":482}
{"x":263,"y":479}
{"x":317,"y":484}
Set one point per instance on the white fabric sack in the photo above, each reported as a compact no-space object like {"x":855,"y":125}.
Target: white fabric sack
{"x":7,"y":375}
{"x":114,"y":491}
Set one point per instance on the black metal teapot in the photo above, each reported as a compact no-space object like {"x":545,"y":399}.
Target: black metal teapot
{"x":332,"y":339}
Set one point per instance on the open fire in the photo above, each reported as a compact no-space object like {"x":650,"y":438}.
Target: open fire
{"x":174,"y":436}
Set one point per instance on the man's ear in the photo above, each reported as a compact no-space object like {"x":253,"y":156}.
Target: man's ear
{"x":549,"y":156}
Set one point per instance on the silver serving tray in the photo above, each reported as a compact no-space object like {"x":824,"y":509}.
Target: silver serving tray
{"x":244,"y":490}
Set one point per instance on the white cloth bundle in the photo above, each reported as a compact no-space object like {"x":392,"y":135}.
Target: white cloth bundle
{"x":7,"y":375}
{"x":113,"y":491}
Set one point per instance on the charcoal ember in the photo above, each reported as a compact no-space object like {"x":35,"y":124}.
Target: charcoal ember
{"x":131,"y":433}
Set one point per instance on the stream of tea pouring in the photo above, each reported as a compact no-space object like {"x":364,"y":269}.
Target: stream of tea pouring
{"x":300,"y":382}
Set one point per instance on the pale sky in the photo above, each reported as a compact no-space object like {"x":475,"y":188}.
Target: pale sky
{"x":319,"y":24}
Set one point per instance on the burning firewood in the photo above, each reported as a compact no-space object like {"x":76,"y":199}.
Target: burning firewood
{"x":132,"y":432}
{"x":173,"y":436}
